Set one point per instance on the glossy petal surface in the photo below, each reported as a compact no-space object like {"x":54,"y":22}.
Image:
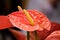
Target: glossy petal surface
{"x":20,"y":20}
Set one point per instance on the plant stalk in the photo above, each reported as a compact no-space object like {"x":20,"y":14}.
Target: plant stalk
{"x":36,"y":35}
{"x":28,"y":36}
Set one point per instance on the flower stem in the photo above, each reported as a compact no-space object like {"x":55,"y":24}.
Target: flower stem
{"x":36,"y":36}
{"x":28,"y":36}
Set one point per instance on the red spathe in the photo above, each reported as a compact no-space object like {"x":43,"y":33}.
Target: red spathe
{"x":20,"y":20}
{"x":4,"y":22}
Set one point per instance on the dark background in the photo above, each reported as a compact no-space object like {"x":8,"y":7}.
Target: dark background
{"x":8,"y":6}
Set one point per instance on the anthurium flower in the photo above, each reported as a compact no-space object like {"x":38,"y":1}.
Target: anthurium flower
{"x":5,"y":22}
{"x":54,"y":35}
{"x":19,"y":20}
